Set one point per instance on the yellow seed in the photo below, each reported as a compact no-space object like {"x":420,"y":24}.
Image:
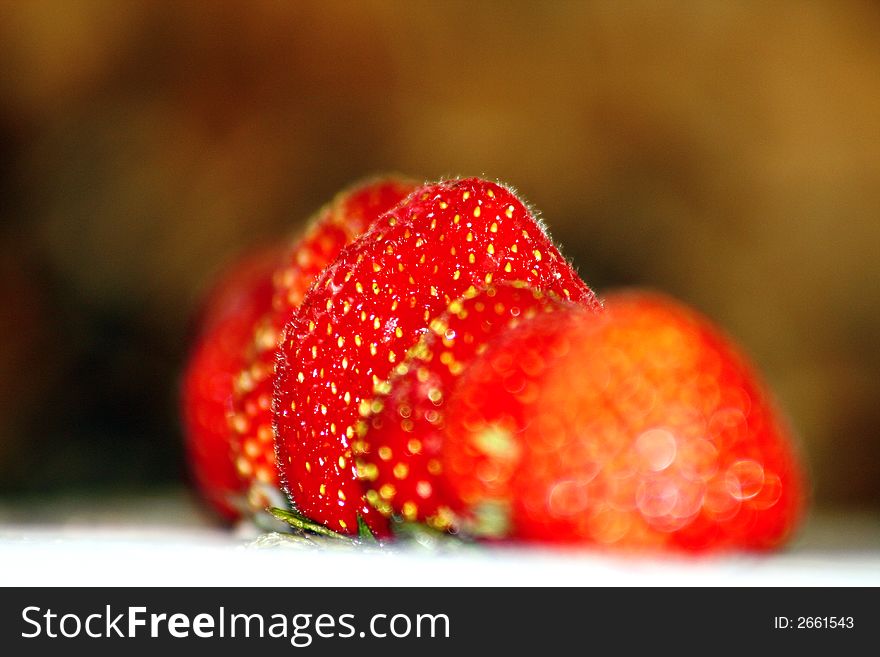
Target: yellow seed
{"x":243,"y":466}
{"x":477,"y":211}
{"x":401,"y":470}
{"x":385,"y":453}
{"x":240,"y":423}
{"x":387,"y":492}
{"x":369,"y":472}
{"x":493,"y":228}
{"x":423,"y":489}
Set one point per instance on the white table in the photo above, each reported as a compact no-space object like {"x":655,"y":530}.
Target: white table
{"x":162,"y":538}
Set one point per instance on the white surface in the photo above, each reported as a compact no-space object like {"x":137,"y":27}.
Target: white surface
{"x":155,"y":541}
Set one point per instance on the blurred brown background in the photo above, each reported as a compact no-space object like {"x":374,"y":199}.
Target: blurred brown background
{"x":726,"y":152}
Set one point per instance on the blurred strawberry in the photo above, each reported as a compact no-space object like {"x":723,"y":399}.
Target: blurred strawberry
{"x":224,"y":327}
{"x":368,"y":308}
{"x":333,"y":227}
{"x":398,"y":459}
{"x":641,"y":427}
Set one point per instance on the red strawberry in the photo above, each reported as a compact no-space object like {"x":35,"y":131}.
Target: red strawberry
{"x":334,"y":226}
{"x":369,"y":307}
{"x":640,"y":427}
{"x":225,"y":326}
{"x":398,"y":459}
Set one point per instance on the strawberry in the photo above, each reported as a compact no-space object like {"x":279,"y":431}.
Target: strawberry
{"x":398,"y":460}
{"x":224,"y":327}
{"x":641,"y":427}
{"x":335,"y":225}
{"x":368,"y":308}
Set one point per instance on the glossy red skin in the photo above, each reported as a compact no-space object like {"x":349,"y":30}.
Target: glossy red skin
{"x":337,"y":224}
{"x":398,"y":460}
{"x":642,"y":428}
{"x":367,"y":309}
{"x":225,"y":325}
